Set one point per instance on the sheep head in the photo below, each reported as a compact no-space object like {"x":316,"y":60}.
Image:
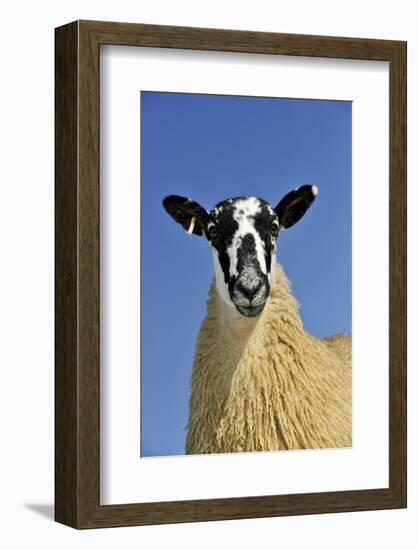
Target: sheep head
{"x":242,"y":232}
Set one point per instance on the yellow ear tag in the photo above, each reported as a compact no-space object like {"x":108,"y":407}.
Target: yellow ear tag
{"x":192,"y":224}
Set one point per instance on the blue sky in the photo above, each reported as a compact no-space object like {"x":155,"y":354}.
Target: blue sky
{"x":211,"y":148}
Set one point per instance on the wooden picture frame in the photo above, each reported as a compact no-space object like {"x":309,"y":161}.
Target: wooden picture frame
{"x":77,"y":372}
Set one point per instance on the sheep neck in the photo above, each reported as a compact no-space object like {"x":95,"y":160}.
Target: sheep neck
{"x":236,"y":329}
{"x":235,"y":322}
{"x":240,"y":334}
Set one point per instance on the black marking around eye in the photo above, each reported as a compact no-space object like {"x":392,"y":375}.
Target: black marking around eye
{"x":262,"y":223}
{"x":226,"y":225}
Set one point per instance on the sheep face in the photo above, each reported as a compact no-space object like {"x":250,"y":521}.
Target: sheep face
{"x":242,"y":233}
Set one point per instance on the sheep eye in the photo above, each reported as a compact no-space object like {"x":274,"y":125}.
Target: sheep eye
{"x":213,"y":232}
{"x":274,"y":230}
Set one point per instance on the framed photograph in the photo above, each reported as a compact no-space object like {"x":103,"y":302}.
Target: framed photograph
{"x":230,"y":274}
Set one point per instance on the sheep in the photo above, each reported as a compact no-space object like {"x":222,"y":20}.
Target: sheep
{"x":260,"y":381}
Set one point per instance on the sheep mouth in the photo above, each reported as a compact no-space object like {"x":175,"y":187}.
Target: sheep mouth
{"x":250,"y":311}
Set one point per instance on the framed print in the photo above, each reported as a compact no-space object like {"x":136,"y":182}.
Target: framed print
{"x":230,"y":274}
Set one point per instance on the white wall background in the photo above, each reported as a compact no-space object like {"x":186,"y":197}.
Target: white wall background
{"x":26,"y":275}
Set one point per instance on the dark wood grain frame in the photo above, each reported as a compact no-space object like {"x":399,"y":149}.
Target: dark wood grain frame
{"x":77,"y":371}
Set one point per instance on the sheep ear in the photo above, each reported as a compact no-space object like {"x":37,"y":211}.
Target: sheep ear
{"x":188,"y":213}
{"x":295,"y":204}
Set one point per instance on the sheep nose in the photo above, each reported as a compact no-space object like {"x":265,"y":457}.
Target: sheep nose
{"x":249,"y":292}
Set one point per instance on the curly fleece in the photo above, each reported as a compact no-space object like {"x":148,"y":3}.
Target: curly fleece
{"x":266,"y":384}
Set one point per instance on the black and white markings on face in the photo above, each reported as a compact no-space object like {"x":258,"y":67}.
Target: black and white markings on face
{"x":242,"y":232}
